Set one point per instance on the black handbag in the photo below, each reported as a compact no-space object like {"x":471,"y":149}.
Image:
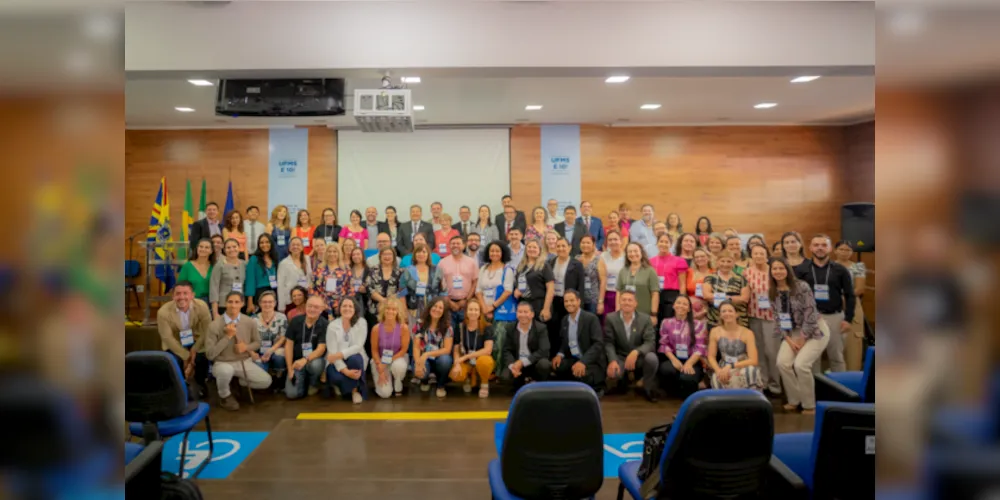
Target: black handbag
{"x":652,"y":451}
{"x":177,"y":488}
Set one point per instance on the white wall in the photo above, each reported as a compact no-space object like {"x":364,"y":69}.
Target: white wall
{"x":456,"y":167}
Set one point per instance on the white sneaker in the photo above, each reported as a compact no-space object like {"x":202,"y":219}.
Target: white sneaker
{"x":356,"y":398}
{"x":336,"y":389}
{"x":441,"y":393}
{"x":467,"y":387}
{"x":484,"y":391}
{"x":425,"y":388}
{"x":313,"y":391}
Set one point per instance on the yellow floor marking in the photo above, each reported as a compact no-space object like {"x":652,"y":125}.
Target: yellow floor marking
{"x":439,"y":415}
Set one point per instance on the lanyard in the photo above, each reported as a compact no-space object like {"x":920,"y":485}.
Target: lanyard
{"x":475,"y":340}
{"x":826,"y":282}
{"x":312,"y":333}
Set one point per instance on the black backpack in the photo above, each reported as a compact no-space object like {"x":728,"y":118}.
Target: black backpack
{"x":173,"y":487}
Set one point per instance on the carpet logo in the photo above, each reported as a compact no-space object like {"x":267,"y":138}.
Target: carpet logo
{"x":231,"y":450}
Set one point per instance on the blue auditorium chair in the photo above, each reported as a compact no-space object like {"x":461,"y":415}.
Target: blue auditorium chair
{"x":719,"y":446}
{"x":156,"y":402}
{"x":837,"y":459}
{"x":553,"y":444}
{"x":970,"y":426}
{"x":849,"y":387}
{"x":142,"y":469}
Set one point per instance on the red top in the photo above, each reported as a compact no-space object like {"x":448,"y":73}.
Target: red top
{"x":305,"y":234}
{"x":441,"y":239}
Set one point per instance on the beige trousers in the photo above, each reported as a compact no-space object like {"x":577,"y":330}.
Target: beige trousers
{"x":796,"y":369}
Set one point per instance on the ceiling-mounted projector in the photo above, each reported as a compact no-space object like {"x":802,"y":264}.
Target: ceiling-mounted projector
{"x":384,"y":110}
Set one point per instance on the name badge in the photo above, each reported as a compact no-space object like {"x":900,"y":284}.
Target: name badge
{"x":869,"y":445}
{"x":187,"y":338}
{"x":730,"y":360}
{"x":697,"y":290}
{"x":442,"y":248}
{"x":586,"y":284}
{"x":305,"y":242}
{"x":472,"y":362}
{"x":265,"y":345}
{"x":237,"y":286}
{"x":522,"y":283}
{"x":431,"y":348}
{"x":612,"y":281}
{"x":681,"y":351}
{"x":457,"y":283}
{"x":281,"y":241}
{"x":303,"y":282}
{"x":386,"y":356}
{"x":273,"y":280}
{"x":331,"y":284}
{"x":307,"y":349}
{"x":490,"y":294}
{"x":785,"y":321}
{"x":822,"y":292}
{"x":329,"y":239}
{"x":663,"y":283}
{"x":357,"y":241}
{"x":630,"y":288}
{"x":356,"y":284}
{"x":394,"y":242}
{"x":763,"y":303}
{"x":560,"y":287}
{"x":720,"y":297}
{"x":574,"y":349}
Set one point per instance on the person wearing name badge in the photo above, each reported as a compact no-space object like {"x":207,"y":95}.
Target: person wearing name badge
{"x":210,"y":226}
{"x":833,"y":289}
{"x":595,"y":276}
{"x":642,"y":229}
{"x":272,"y":327}
{"x":229,"y":275}
{"x":484,"y":227}
{"x":572,"y":230}
{"x":615,"y":223}
{"x":732,"y":353}
{"x":685,"y":246}
{"x":280,"y":230}
{"x":318,"y":256}
{"x":459,"y":277}
{"x":233,"y":230}
{"x":726,"y":285}
{"x":331,"y":281}
{"x":421,"y":281}
{"x":346,"y":247}
{"x":355,"y":232}
{"x":297,"y":306}
{"x":304,"y":231}
{"x":305,"y":350}
{"x":716,"y":247}
{"x":804,"y":335}
{"x":568,"y":275}
{"x":535,"y":281}
{"x":510,"y":218}
{"x":346,"y":358}
{"x":516,"y":246}
{"x":539,"y":224}
{"x":580,"y":355}
{"x":262,"y":272}
{"x":761,"y":315}
{"x":464,"y":225}
{"x":702,"y":230}
{"x":671,"y":272}
{"x":614,"y":261}
{"x":419,"y":239}
{"x":328,"y":230}
{"x":683,"y":344}
{"x":293,"y":271}
{"x":183,"y":325}
{"x":592,"y":225}
{"x":747,"y":258}
{"x":792,"y":249}
{"x":526,"y":350}
{"x":653,"y":249}
{"x":854,"y":348}
{"x":232,"y":346}
{"x":385,"y":281}
{"x":198,"y":269}
{"x":358,"y":274}
{"x":495,"y":291}
{"x":700,"y":269}
{"x":444,"y":235}
{"x":390,"y":341}
{"x":382,"y":241}
{"x":410,"y":229}
{"x":639,"y":277}
{"x":733,"y":246}
{"x":390,"y":226}
{"x":630,"y":344}
{"x":433,"y":340}
{"x":473,"y":351}
{"x":473,"y":249}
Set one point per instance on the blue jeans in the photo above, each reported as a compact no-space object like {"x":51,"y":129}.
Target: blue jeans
{"x":457,"y":318}
{"x":440,"y":366}
{"x":345,"y":383}
{"x":299,"y":386}
{"x":277,"y":362}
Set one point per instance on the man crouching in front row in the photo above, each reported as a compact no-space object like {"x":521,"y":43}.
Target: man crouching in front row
{"x":233,"y":342}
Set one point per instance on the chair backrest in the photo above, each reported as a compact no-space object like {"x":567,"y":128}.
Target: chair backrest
{"x":843,"y":451}
{"x":719,"y":446}
{"x":963,"y":473}
{"x":868,"y":377}
{"x":154,"y":387}
{"x":132,"y":268}
{"x":41,"y":427}
{"x":554,"y":442}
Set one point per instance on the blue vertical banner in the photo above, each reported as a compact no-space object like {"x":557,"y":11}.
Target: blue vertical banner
{"x":561,"y":165}
{"x":288,"y":170}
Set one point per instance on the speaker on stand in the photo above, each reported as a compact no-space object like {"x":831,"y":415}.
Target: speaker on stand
{"x":857,"y":226}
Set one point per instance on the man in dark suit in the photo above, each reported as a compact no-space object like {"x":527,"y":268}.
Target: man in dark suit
{"x":571,"y":229}
{"x":526,"y":350}
{"x":593,"y":225}
{"x":630,"y":343}
{"x":515,"y":217}
{"x":581,"y":355}
{"x":205,"y":228}
{"x":404,"y":243}
{"x":465,"y":225}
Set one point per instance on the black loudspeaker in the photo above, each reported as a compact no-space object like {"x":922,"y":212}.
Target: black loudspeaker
{"x":857,"y":225}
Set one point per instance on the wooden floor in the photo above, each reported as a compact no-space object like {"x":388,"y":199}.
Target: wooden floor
{"x":306,"y":459}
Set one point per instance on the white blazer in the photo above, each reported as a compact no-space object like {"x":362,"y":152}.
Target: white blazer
{"x":288,"y":278}
{"x":349,"y":343}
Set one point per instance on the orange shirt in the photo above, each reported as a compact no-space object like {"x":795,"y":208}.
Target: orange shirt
{"x":306,"y":235}
{"x":240,"y":238}
{"x":441,"y":240}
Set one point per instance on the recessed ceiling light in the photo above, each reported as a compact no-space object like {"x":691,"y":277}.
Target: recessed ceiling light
{"x":766,"y":105}
{"x":805,"y":79}
{"x":201,"y":83}
{"x":617,"y":79}
{"x":183,"y":109}
{"x":650,"y":106}
{"x":411,"y":79}
{"x":418,"y":107}
{"x":532,"y":107}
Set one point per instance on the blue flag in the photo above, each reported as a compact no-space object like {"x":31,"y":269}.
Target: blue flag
{"x":229,"y":200}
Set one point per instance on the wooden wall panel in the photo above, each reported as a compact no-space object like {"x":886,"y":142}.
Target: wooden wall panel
{"x":526,"y":167}
{"x":322,"y":172}
{"x":859,"y":172}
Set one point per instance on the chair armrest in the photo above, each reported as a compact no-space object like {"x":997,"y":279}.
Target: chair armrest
{"x":143,"y":472}
{"x":783,"y":484}
{"x":828,"y":389}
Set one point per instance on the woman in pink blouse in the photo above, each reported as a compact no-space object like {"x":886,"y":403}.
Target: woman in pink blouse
{"x":671,"y":271}
{"x":680,"y":352}
{"x":354,"y":231}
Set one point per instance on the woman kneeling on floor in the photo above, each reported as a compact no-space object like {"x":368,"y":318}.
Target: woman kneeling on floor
{"x":682,"y":347}
{"x":474,"y":352}
{"x":390,"y":344}
{"x":432,"y":347}
{"x":345,"y":339}
{"x":735,"y":345}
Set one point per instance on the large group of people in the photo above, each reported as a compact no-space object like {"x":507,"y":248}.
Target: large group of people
{"x":553,"y":296}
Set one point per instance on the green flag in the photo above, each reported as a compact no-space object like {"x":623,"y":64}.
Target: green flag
{"x":186,"y":220}
{"x":204,"y":200}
